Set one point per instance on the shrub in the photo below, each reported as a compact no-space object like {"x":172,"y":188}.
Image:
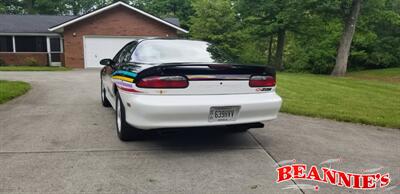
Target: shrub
{"x":2,"y":62}
{"x":30,"y":61}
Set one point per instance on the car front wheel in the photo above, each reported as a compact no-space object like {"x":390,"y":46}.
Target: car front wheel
{"x":125,"y":132}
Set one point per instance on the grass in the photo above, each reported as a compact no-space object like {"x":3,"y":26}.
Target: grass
{"x":387,"y":75}
{"x":368,"y":97}
{"x":12,"y":89}
{"x":33,"y":68}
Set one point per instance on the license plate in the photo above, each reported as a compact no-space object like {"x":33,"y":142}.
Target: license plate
{"x":224,"y":113}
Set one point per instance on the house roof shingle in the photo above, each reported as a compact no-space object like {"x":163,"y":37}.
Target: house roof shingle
{"x":60,"y":27}
{"x":30,"y":23}
{"x":174,"y":21}
{"x":53,"y":23}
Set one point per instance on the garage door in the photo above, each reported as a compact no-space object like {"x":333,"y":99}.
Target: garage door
{"x":97,"y":48}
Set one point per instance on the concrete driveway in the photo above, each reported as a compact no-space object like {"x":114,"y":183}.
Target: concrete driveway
{"x":59,"y":139}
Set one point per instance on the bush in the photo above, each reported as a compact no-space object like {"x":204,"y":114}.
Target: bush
{"x":30,"y":61}
{"x":313,"y":51}
{"x":2,"y":62}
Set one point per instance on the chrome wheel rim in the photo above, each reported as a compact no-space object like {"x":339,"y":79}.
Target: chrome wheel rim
{"x":102,"y":95}
{"x":102,"y":92}
{"x":118,"y":116}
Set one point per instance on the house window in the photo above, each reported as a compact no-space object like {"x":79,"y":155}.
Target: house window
{"x":6,"y":44}
{"x":30,"y":44}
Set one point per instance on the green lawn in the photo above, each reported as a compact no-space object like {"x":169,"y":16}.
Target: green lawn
{"x":369,"y":97}
{"x":33,"y":68}
{"x":388,"y":75}
{"x":12,"y":89}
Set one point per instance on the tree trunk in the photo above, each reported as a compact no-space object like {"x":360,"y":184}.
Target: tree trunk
{"x":347,"y":37}
{"x":279,"y":49}
{"x":271,"y":40}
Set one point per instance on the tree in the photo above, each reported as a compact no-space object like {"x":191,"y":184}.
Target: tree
{"x":11,"y":7}
{"x":303,"y":35}
{"x":81,"y":7}
{"x":44,"y":7}
{"x":347,"y":37}
{"x":181,"y":9}
{"x":274,"y":17}
{"x":215,"y":21}
{"x":2,"y":8}
{"x":376,"y":43}
{"x":50,"y":7}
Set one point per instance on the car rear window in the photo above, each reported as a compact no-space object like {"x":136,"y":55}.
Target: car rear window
{"x":174,"y":51}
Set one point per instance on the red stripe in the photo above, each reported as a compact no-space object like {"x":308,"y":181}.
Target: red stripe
{"x":129,"y":89}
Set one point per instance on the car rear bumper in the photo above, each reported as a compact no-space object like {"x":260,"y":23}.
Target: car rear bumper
{"x":170,"y":111}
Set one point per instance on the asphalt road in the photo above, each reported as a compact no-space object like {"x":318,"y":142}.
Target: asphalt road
{"x":59,"y":139}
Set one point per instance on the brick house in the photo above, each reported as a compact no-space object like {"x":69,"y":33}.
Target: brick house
{"x":78,"y":41}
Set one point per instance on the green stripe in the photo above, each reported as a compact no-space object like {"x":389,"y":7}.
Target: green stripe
{"x":126,"y":73}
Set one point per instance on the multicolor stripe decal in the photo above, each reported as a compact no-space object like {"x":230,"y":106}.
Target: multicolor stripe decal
{"x":125,"y":73}
{"x":127,"y":87}
{"x":124,"y":76}
{"x":219,"y":77}
{"x":127,"y":79}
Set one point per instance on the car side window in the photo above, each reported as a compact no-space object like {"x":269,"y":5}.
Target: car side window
{"x":125,"y":53}
{"x":117,"y":56}
{"x":121,"y":56}
{"x":129,"y":51}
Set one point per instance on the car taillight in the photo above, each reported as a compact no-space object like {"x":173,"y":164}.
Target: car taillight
{"x":262,"y":81}
{"x":163,"y":82}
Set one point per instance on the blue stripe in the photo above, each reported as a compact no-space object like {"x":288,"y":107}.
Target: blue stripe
{"x":127,"y":73}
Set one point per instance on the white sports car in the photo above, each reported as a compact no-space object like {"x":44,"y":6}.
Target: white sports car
{"x":165,"y":83}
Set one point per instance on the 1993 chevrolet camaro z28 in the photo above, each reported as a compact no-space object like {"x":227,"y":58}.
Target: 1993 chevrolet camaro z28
{"x":164,"y":83}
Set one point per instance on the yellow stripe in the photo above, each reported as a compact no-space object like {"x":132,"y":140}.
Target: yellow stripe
{"x":123,"y":78}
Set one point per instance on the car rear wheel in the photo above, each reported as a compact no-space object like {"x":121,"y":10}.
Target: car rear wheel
{"x":104,"y":99}
{"x":125,"y":132}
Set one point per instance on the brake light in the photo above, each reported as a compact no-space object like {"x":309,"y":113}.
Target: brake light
{"x":163,"y":82}
{"x":262,"y":81}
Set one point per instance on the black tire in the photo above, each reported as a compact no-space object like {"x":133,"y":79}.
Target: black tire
{"x":104,"y":100}
{"x":125,"y":132}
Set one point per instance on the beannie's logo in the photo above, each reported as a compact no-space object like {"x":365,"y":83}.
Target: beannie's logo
{"x":333,"y":177}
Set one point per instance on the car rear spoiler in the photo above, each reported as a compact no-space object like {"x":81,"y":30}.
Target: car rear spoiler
{"x":218,"y":70}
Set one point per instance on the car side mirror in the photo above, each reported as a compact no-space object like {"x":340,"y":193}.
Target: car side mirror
{"x":107,"y":62}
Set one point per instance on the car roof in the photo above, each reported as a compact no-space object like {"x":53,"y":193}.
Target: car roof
{"x":169,"y":39}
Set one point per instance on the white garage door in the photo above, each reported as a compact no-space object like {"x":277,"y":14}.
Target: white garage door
{"x":97,"y":48}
